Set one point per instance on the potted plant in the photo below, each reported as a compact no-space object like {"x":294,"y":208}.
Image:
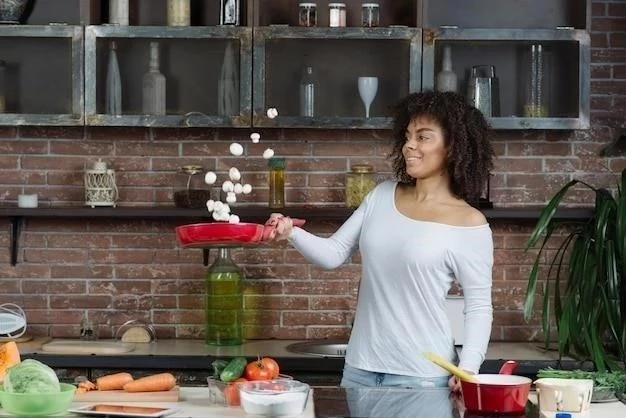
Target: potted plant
{"x":584,"y":293}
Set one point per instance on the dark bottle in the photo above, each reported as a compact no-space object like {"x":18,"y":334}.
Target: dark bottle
{"x":224,"y":301}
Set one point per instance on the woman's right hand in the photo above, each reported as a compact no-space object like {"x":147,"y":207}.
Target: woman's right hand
{"x":282,"y":226}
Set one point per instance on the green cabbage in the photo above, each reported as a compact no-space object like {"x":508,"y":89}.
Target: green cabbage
{"x":31,"y":376}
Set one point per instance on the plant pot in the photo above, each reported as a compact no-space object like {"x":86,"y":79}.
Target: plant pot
{"x":12,"y":11}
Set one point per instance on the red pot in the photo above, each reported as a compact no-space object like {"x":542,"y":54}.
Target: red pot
{"x":496,"y":394}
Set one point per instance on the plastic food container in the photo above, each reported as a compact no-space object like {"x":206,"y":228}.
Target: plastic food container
{"x":370,"y":15}
{"x":223,"y":393}
{"x":337,"y":15}
{"x":274,"y":398}
{"x":38,"y":404}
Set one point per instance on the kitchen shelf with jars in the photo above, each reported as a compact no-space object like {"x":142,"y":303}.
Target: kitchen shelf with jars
{"x":168,"y":76}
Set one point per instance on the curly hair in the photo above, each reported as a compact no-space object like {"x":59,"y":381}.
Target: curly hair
{"x":466,"y":137}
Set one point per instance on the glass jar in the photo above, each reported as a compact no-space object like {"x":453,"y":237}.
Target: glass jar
{"x":178,"y":13}
{"x":359,"y":182}
{"x":191,"y":191}
{"x":337,"y":15}
{"x":370,"y":15}
{"x":307,"y":15}
{"x":224,"y":301}
{"x":276,"y":198}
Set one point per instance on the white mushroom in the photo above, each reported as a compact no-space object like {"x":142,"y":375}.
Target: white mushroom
{"x":233,"y":219}
{"x":246,"y":189}
{"x":231,"y":197}
{"x":268,"y":153}
{"x":218,"y":206}
{"x":238,"y":189}
{"x":210,"y":177}
{"x":255,"y":137}
{"x":272,"y":112}
{"x":234,"y":174}
{"x":228,"y":186}
{"x":210,"y":205}
{"x":236,"y":149}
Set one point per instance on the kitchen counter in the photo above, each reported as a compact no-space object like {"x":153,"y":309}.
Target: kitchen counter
{"x":195,"y":354}
{"x":379,"y":403}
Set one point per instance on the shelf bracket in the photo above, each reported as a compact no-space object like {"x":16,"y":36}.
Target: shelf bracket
{"x":16,"y":224}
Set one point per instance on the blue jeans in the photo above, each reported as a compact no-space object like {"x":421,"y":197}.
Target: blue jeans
{"x":353,"y":378}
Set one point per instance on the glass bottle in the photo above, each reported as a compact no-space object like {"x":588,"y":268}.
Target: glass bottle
{"x":224,"y":301}
{"x":446,"y":78}
{"x":359,"y":182}
{"x":3,"y":99}
{"x":113,"y":96}
{"x":178,"y":13}
{"x":118,"y":12}
{"x":308,"y":85}
{"x":154,"y":85}
{"x":536,"y":76}
{"x":276,"y":183}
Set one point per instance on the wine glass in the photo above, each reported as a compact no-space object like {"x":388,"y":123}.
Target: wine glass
{"x":368,"y":86}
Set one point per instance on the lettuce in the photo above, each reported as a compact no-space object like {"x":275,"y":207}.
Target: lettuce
{"x":31,"y":376}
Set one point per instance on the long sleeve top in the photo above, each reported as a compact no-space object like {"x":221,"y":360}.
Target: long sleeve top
{"x":408,"y":267}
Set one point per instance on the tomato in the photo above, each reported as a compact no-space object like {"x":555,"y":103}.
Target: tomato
{"x":265,"y":368}
{"x":231,"y":392}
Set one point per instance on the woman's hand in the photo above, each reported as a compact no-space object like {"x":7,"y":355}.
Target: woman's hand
{"x":454,"y":384}
{"x":281,"y":227}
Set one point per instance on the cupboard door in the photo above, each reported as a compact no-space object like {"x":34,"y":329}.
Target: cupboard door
{"x":550,"y":66}
{"x":338,"y":57}
{"x":42,"y":94}
{"x":201,"y":65}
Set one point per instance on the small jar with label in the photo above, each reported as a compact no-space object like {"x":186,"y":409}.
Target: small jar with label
{"x":337,"y":15}
{"x":370,"y":15}
{"x":359,"y":182}
{"x":307,"y":15}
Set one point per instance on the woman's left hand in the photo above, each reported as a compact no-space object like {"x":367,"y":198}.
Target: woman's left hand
{"x":454,"y":384}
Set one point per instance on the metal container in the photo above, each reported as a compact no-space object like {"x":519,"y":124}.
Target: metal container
{"x":483,"y":90}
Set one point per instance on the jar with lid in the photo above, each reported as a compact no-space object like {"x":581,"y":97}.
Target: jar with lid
{"x":359,"y":182}
{"x":224,"y":301}
{"x":370,"y":15}
{"x":307,"y":15}
{"x":337,"y":15}
{"x":190,"y":190}
{"x":276,"y":183}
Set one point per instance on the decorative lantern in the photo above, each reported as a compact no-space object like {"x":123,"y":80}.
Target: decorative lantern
{"x":100,"y":188}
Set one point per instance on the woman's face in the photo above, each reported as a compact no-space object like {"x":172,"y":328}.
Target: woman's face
{"x":424,"y":150}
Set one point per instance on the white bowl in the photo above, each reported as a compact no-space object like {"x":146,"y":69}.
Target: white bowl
{"x":274,"y":398}
{"x":567,"y":395}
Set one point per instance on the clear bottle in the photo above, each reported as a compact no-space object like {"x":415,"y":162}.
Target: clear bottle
{"x":3,"y":92}
{"x":224,"y":301}
{"x":113,"y":95}
{"x":178,"y":13}
{"x":308,"y":85}
{"x":446,"y":78}
{"x":359,"y":182}
{"x":276,"y":198}
{"x":154,"y":85}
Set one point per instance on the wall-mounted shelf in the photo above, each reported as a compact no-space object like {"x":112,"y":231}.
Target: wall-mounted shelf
{"x":246,"y":213}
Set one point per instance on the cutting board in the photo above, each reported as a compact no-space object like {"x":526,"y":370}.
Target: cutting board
{"x":123,"y":396}
{"x":86,"y":347}
{"x":21,"y":339}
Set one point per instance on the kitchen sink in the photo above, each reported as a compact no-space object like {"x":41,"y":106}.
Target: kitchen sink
{"x":322,"y":348}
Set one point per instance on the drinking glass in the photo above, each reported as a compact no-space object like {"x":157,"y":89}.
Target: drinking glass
{"x":368,"y":86}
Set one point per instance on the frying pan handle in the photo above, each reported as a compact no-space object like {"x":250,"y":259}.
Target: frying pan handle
{"x":508,"y":367}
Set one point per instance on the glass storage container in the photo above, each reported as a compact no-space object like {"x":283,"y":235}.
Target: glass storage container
{"x":224,"y":301}
{"x":359,"y":182}
{"x":337,"y":15}
{"x":191,"y":191}
{"x":307,"y":15}
{"x":370,"y":15}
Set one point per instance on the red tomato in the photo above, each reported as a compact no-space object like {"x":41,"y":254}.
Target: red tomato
{"x":231,"y":392}
{"x":262,"y":369}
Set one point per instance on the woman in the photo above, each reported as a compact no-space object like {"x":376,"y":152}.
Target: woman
{"x":416,"y":236}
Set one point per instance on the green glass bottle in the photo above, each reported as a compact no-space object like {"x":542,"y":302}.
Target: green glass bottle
{"x":224,"y":301}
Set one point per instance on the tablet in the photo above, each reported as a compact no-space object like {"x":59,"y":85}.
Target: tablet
{"x":113,"y":410}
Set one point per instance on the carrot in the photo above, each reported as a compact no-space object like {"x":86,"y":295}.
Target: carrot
{"x":113,"y":381}
{"x":152,"y":383}
{"x":87,"y":385}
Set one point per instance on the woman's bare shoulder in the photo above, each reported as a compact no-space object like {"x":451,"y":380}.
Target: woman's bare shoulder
{"x":467,"y":215}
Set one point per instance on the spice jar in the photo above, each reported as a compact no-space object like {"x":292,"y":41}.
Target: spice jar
{"x":359,"y":182}
{"x":308,"y":14}
{"x":370,"y":15}
{"x":276,"y":183}
{"x":178,"y":13}
{"x":337,"y":15}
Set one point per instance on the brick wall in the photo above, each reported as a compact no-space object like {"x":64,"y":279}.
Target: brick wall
{"x":119,"y":270}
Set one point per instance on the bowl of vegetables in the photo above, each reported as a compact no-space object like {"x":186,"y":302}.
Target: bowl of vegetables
{"x":31,"y":388}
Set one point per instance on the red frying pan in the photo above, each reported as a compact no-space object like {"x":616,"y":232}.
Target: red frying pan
{"x":224,"y":233}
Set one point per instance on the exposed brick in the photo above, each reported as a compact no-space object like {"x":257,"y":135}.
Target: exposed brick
{"x":598,"y":9}
{"x":539,"y":149}
{"x":183,"y":134}
{"x":7,"y":132}
{"x":608,"y":24}
{"x":80,"y":301}
{"x":118,"y":133}
{"x":321,"y":318}
{"x":52,"y":132}
{"x":520,"y":165}
{"x":599,"y":40}
{"x":617,"y":9}
{"x":619,"y":71}
{"x":600,"y":71}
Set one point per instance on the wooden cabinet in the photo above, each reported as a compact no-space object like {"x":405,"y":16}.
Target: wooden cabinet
{"x":270,"y":50}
